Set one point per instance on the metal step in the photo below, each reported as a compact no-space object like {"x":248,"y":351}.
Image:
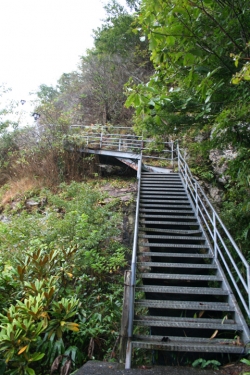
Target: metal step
{"x":173,"y":231}
{"x":149,"y":205}
{"x":176,"y":255}
{"x":184,"y":217}
{"x":166,"y":189}
{"x":178,"y":245}
{"x":161,"y":187}
{"x":167,"y":211}
{"x":178,"y":265}
{"x":182,"y":238}
{"x":179,"y":202}
{"x":193,"y":346}
{"x":182,"y":290}
{"x":173,"y":195}
{"x":182,"y":305}
{"x":178,"y":223}
{"x":185,"y":339}
{"x":167,"y":276}
{"x":194,"y":323}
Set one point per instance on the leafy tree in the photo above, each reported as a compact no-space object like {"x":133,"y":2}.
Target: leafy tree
{"x":190,"y":44}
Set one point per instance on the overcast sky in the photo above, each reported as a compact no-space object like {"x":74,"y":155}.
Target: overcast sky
{"x":41,"y":39}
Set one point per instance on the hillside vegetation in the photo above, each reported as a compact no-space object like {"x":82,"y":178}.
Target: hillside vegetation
{"x":175,"y":69}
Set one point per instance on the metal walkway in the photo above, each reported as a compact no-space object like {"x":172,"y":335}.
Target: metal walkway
{"x":188,"y":277}
{"x":182,"y":300}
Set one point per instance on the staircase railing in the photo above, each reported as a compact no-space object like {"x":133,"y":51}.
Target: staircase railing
{"x":222,"y":243}
{"x":133,"y":269}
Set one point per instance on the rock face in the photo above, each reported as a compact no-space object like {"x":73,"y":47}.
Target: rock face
{"x":219,"y":159}
{"x":127,"y":197}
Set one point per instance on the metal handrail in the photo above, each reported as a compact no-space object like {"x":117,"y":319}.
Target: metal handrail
{"x":133,"y":268}
{"x":223,"y":246}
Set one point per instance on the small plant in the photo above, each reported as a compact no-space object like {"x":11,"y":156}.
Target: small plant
{"x":203,"y":363}
{"x":247,"y":362}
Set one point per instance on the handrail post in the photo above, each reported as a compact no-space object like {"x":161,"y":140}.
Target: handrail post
{"x":185,"y":173}
{"x":101,"y":141}
{"x":196,"y":198}
{"x":120,"y":144}
{"x":172,"y":153}
{"x":248,"y":286}
{"x":215,"y":236}
{"x":178,"y":157}
{"x":133,"y":271}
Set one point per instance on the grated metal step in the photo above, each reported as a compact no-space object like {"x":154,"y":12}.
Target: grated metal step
{"x":181,"y":346}
{"x":179,"y":202}
{"x":182,"y":238}
{"x":158,"y":197}
{"x":186,"y":217}
{"x":177,"y":245}
{"x":162,"y":188}
{"x":167,"y":211}
{"x":175,"y":223}
{"x":177,"y":265}
{"x":182,"y":305}
{"x":176,"y":255}
{"x":167,"y":276}
{"x":194,"y":323}
{"x":173,"y":231}
{"x":147,"y":205}
{"x":182,"y":290}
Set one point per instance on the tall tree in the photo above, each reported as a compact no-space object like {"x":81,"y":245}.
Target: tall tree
{"x":191,"y":44}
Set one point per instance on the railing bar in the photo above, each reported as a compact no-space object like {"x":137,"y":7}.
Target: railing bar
{"x":234,"y":282}
{"x":205,"y":209}
{"x":222,"y":225}
{"x":207,"y":225}
{"x":232,"y":261}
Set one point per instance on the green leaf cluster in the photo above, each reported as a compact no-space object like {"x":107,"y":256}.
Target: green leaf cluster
{"x":61,"y":281}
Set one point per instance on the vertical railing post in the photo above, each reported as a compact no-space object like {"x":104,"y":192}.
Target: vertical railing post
{"x":172,"y":154}
{"x":133,"y":272}
{"x":248,"y":286}
{"x":125,"y":318}
{"x":196,"y":199}
{"x":215,"y":236}
{"x":185,"y":174}
{"x":119,"y":144}
{"x":178,"y":157}
{"x":101,"y":141}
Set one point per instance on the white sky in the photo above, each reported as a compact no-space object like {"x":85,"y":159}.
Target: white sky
{"x":42,"y":39}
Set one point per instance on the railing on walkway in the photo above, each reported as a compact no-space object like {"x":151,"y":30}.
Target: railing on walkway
{"x":121,"y":139}
{"x":223,"y":245}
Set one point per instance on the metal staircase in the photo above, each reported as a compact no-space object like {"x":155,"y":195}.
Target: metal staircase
{"x":188,"y":277}
{"x":182,"y":299}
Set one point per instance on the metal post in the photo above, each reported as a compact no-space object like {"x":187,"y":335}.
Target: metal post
{"x":196,"y":198}
{"x":185,"y":173}
{"x":178,"y":157}
{"x":133,"y":272}
{"x":101,"y":141}
{"x":248,"y":287}
{"x":120,"y":144}
{"x":215,"y":236}
{"x":172,"y":153}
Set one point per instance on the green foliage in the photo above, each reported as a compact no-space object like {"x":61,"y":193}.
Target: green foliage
{"x":247,"y":362}
{"x":61,"y":281}
{"x":202,"y":363}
